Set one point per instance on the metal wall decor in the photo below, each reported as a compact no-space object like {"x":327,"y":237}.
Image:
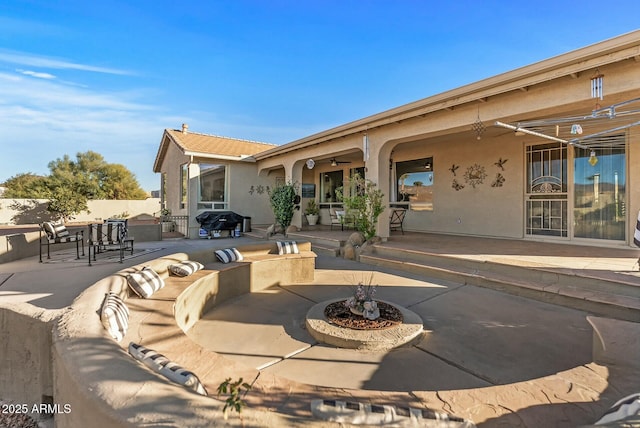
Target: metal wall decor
{"x":499,"y":180}
{"x":454,"y":168}
{"x":474,"y":175}
{"x":260,"y":189}
{"x":457,"y":186}
{"x":500,"y":163}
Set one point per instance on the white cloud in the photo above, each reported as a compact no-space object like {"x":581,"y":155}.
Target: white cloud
{"x":45,"y":62}
{"x":37,"y":74}
{"x":44,"y":119}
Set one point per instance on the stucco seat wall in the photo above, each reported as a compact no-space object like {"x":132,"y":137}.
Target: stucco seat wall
{"x":106,"y":387}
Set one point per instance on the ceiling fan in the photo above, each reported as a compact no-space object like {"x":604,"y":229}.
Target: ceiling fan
{"x":335,"y":162}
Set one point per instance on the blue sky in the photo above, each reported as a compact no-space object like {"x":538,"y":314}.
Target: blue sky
{"x":110,"y":76}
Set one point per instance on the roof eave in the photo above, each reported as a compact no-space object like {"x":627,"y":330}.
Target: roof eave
{"x":625,"y":46}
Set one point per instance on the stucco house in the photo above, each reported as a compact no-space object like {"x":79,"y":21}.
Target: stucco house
{"x":201,"y":172}
{"x":549,"y":151}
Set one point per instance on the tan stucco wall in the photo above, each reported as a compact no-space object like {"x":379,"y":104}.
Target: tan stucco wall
{"x":173,"y":161}
{"x":98,"y":210}
{"x":25,"y":332}
{"x":242,"y":177}
{"x":483,"y":210}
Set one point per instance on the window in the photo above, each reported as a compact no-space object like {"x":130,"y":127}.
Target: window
{"x":184,"y":185}
{"x":415,"y":183}
{"x":212,"y":186}
{"x":329,"y":182}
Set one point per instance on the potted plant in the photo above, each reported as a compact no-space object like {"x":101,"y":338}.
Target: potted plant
{"x":312,"y":212}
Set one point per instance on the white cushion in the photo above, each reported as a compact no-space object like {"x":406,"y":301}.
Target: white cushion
{"x":145,"y":282}
{"x":61,"y":230}
{"x":287,"y":247}
{"x":115,"y":316}
{"x":229,"y":255}
{"x":161,"y":364}
{"x":185,"y":268}
{"x":49,"y":229}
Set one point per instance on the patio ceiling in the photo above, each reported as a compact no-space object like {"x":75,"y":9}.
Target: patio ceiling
{"x":597,"y":129}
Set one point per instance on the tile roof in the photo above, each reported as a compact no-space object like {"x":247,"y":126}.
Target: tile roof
{"x":205,"y":145}
{"x":216,"y":145}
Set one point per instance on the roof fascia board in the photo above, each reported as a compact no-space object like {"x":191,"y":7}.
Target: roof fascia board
{"x":162,"y":150}
{"x":242,"y":158}
{"x":600,"y":54}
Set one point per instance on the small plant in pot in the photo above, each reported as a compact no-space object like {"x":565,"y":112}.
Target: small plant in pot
{"x":312,"y":211}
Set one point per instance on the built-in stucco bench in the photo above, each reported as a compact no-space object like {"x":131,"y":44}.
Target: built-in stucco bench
{"x":160,"y":322}
{"x":107,"y":387}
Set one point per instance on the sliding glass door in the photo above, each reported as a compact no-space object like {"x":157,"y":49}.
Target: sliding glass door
{"x":600,"y":193}
{"x":596,"y":202}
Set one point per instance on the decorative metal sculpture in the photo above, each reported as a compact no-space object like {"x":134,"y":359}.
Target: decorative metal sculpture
{"x":457,"y":186}
{"x":500,"y":163}
{"x":499,"y":181}
{"x":475,"y":175}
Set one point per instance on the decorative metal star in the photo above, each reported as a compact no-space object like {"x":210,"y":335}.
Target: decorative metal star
{"x":453,"y":169}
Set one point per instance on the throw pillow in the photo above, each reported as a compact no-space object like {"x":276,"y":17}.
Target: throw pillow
{"x":145,"y":282}
{"x":229,"y":255}
{"x":287,"y":247}
{"x":61,"y":230}
{"x":115,"y":316}
{"x":185,"y":268}
{"x":161,"y":364}
{"x":49,"y":229}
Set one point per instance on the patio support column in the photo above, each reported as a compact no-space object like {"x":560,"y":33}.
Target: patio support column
{"x":377,"y":170}
{"x":293,"y":174}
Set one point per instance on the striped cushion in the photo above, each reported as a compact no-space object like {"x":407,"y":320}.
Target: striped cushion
{"x":106,"y":234}
{"x":50,"y":229}
{"x":145,"y":282}
{"x":60,"y":230}
{"x":161,"y":364}
{"x":287,"y":247}
{"x":115,"y":316}
{"x":185,"y":268}
{"x":229,"y":255}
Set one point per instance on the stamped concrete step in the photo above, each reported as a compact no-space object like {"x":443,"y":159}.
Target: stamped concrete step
{"x":325,"y":251}
{"x":599,"y":296}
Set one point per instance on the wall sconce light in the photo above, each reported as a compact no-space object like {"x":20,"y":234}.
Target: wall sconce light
{"x":334,"y":162}
{"x":593,"y":160}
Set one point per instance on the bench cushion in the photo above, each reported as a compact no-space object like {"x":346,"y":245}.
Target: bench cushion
{"x":115,"y":316}
{"x":161,"y":364}
{"x":55,"y":230}
{"x":145,"y":282}
{"x":228,"y":255}
{"x":287,"y":247}
{"x":185,"y":268}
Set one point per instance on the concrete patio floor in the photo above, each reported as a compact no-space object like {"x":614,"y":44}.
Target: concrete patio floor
{"x":500,"y":359}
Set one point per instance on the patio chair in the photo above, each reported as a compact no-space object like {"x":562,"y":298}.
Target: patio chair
{"x":336,"y":218}
{"x":57,"y":233}
{"x":110,"y":235}
{"x":397,"y":218}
